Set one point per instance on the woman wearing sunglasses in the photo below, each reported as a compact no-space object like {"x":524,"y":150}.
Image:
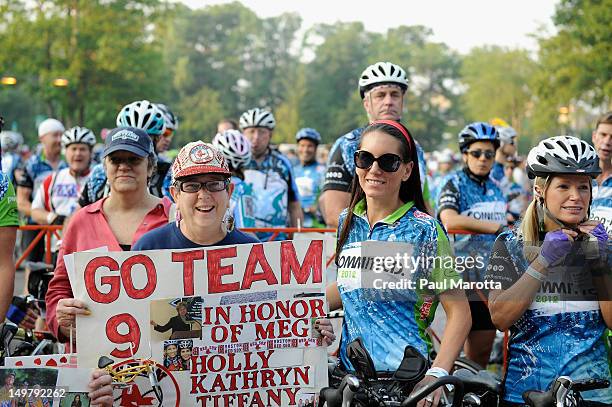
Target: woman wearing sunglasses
{"x":469,"y":200}
{"x":201,"y":189}
{"x":115,"y":222}
{"x":555,"y":332}
{"x":387,"y":205}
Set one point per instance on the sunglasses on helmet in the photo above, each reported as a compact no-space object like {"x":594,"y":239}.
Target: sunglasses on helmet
{"x":387,"y":162}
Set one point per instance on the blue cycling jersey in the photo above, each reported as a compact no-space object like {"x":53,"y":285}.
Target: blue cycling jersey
{"x":273,"y":185}
{"x":389,"y":319}
{"x":309,"y":179}
{"x":34,"y":171}
{"x":497,"y":172}
{"x":553,"y":337}
{"x":479,"y":198}
{"x":242,"y":206}
{"x":341,"y":164}
{"x":601,"y":207}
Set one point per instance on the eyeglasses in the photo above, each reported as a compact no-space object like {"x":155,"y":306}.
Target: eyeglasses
{"x":387,"y":162}
{"x":477,"y":153}
{"x":131,"y":161}
{"x":191,"y":187}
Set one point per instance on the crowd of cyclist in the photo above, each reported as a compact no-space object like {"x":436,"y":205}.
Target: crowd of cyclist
{"x":520,"y":214}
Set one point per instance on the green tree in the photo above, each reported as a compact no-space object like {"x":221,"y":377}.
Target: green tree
{"x":497,"y":82}
{"x":103,"y":48}
{"x":228,"y":49}
{"x":574,"y":65}
{"x":340,"y":56}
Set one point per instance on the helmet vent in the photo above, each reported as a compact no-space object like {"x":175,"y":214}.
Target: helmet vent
{"x":542,"y":160}
{"x":575,"y":150}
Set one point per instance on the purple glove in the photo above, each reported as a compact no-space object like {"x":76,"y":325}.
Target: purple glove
{"x":602,"y":238}
{"x":556,"y":245}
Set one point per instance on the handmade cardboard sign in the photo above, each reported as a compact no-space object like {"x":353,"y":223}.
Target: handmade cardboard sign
{"x":230,"y":325}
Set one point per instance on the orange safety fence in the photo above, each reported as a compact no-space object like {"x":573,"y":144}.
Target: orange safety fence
{"x":46,"y":232}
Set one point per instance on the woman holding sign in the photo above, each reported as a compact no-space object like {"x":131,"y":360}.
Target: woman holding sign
{"x":114,"y":222}
{"x":201,"y":189}
{"x":387,"y":205}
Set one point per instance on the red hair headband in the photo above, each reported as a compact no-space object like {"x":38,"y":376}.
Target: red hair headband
{"x":397,"y":126}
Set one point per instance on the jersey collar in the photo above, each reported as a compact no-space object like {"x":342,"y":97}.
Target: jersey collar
{"x":360,"y":210}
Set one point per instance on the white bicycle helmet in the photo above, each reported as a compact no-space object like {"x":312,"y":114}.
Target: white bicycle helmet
{"x":506,"y":134}
{"x":257,"y":118}
{"x":381,"y":73}
{"x":144,"y":115}
{"x":562,"y":155}
{"x":10,"y":140}
{"x":170,"y":120}
{"x":78,"y":135}
{"x":234,"y":146}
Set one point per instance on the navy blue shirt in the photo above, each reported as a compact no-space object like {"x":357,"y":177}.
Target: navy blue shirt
{"x":171,"y":237}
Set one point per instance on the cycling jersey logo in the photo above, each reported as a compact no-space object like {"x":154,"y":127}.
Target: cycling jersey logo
{"x":420,"y":215}
{"x":201,"y":154}
{"x":125,"y":135}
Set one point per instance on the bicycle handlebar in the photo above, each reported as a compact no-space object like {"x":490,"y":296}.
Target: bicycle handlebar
{"x":428,"y":389}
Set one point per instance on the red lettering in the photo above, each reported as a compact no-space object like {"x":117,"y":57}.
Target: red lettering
{"x":257,"y":256}
{"x":132,"y":336}
{"x":313,"y":261}
{"x":113,"y":281}
{"x":128,"y":283}
{"x":187,"y":258}
{"x":216,"y":271}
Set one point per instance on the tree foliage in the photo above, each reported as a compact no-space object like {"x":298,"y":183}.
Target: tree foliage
{"x":216,"y":62}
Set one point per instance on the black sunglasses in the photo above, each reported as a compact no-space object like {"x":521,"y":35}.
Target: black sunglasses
{"x":477,"y":153}
{"x":192,"y":187}
{"x":387,"y":162}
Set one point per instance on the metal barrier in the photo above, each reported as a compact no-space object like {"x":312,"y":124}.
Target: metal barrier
{"x":46,"y":231}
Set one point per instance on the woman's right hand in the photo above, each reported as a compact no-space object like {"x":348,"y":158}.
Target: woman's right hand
{"x":67,"y":310}
{"x":557,"y":244}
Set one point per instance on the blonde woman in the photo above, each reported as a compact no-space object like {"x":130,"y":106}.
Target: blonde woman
{"x":552,"y":334}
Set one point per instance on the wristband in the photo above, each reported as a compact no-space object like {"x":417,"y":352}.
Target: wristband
{"x":51,"y":217}
{"x":436,"y":372}
{"x":535,"y":274}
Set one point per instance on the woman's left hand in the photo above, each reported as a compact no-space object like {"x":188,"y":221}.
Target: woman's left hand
{"x":432,"y":399}
{"x":597,"y":230}
{"x":101,"y":388}
{"x":325,"y":328}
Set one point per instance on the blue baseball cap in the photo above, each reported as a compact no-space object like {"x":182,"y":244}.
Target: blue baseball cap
{"x":130,"y":139}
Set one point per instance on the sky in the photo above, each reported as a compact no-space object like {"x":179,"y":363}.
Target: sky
{"x":461,"y":24}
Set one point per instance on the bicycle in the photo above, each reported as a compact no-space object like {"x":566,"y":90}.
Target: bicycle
{"x":367,"y":387}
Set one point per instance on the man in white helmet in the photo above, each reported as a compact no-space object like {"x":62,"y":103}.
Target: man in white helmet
{"x":382,"y":87}
{"x":31,"y":176}
{"x":269,"y":173}
{"x":59,"y":194}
